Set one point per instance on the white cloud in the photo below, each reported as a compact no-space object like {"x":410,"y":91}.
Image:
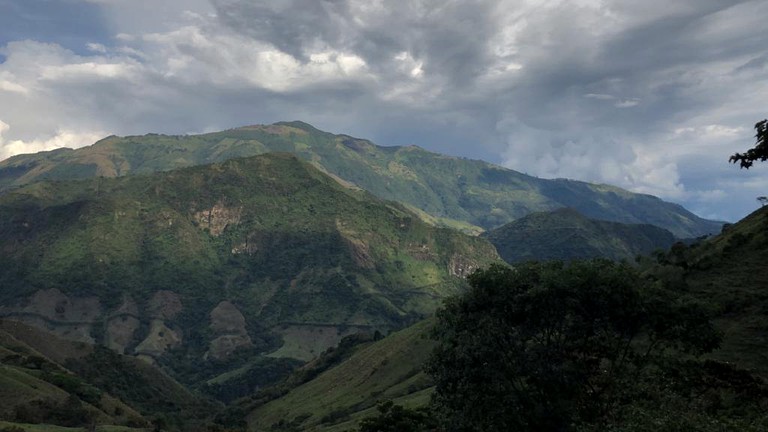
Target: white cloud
{"x":645,"y":96}
{"x":63,"y":138}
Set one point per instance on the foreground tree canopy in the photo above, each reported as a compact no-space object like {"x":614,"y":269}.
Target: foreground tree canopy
{"x":548,"y":347}
{"x":759,"y":152}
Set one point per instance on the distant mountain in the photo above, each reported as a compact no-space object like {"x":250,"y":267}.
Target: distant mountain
{"x":206,"y":269}
{"x":565,"y":234}
{"x":466,"y":194}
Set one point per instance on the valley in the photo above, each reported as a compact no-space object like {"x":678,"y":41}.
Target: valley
{"x":283,"y":278}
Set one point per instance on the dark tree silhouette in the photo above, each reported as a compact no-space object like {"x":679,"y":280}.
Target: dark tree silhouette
{"x":549,"y":347}
{"x":759,"y":152}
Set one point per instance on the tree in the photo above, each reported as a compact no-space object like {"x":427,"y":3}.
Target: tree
{"x":762,"y":200}
{"x":549,"y":347}
{"x":759,"y":152}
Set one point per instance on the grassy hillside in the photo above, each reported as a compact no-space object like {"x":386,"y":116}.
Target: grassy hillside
{"x":728,"y":272}
{"x":458,"y":192}
{"x":207,"y":269}
{"x":724,"y":273}
{"x":390,"y":369}
{"x":565,"y":234}
{"x":44,"y":379}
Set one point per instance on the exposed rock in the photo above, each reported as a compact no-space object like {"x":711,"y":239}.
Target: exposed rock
{"x":461,"y":266}
{"x":228,"y":325}
{"x":128,"y":307}
{"x":223,"y":346}
{"x":164,"y":305}
{"x":121,"y":326}
{"x":358,"y":249}
{"x":421,"y":252}
{"x":161,"y":338}
{"x":217,"y":218}
{"x":54,"y":305}
{"x":70,"y":318}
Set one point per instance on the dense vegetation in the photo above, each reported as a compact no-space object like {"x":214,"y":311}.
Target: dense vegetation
{"x":465,"y":194}
{"x":269,"y":252}
{"x":716,"y":282}
{"x":300,"y":260}
{"x":44,"y":379}
{"x":589,"y":346}
{"x":565,"y":234}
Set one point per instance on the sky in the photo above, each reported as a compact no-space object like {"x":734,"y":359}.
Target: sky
{"x":651,"y":96}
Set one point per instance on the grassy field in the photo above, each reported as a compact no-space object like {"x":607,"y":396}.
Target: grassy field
{"x":341,"y":396}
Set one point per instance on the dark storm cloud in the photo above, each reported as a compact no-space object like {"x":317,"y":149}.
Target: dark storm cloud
{"x":449,"y":37}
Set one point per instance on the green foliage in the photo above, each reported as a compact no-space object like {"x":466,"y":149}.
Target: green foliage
{"x":451,"y":191}
{"x":262,"y":372}
{"x":565,"y":234}
{"x":141,"y":386}
{"x":70,"y":412}
{"x":344,"y":393}
{"x":548,"y":346}
{"x":273,"y":235}
{"x":759,"y":152}
{"x":75,"y":386}
{"x":395,"y":418}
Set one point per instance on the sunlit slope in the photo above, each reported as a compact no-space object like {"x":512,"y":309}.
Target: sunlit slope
{"x":390,"y":369}
{"x":251,"y":253}
{"x":461,"y":192}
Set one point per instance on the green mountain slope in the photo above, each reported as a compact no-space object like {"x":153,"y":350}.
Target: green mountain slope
{"x":565,"y":234}
{"x":725,"y":273}
{"x":49,"y":380}
{"x":459,"y":192}
{"x":337,"y":399}
{"x":207,"y":268}
{"x":728,"y":273}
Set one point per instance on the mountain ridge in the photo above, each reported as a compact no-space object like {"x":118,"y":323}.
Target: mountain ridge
{"x":565,"y":234}
{"x":465,"y":193}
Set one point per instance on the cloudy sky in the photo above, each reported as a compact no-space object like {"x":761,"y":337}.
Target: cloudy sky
{"x":652,"y":96}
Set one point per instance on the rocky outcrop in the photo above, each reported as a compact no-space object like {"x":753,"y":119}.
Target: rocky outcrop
{"x":164,"y":305}
{"x":121,"y":326}
{"x":70,"y":318}
{"x":160,"y":339}
{"x":230,"y":333}
{"x":217,"y":218}
{"x":461,"y":266}
{"x":358,"y":248}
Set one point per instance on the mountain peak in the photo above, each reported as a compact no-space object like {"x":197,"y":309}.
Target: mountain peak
{"x":469,"y":194}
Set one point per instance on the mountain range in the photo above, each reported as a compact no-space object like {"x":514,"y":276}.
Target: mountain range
{"x":467,"y":194}
{"x":260,"y":267}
